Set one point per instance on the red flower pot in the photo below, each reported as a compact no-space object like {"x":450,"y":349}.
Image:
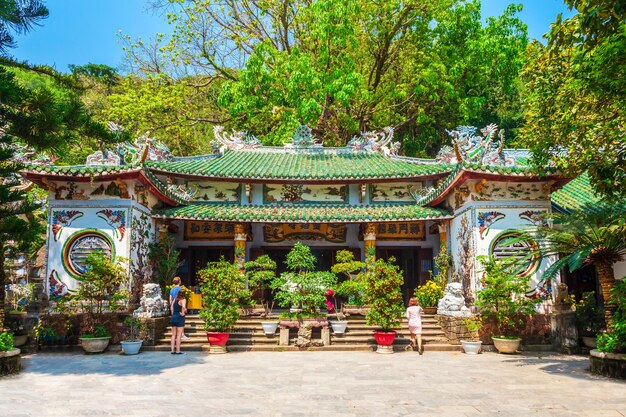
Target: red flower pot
{"x":384,"y":338}
{"x":217,"y":338}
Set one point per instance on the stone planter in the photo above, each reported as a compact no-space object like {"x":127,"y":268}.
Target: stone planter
{"x":608,"y":364}
{"x":430,"y":310}
{"x":94,"y":344}
{"x":339,"y":326}
{"x":506,"y":345}
{"x":269,"y":327}
{"x":10,"y":362}
{"x":471,"y":347}
{"x":253,"y":310}
{"x":131,"y":348}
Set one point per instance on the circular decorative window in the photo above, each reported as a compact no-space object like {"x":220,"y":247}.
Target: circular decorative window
{"x":503,"y":248}
{"x":80,"y":245}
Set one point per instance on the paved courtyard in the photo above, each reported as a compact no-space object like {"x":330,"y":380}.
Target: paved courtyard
{"x":309,"y":384}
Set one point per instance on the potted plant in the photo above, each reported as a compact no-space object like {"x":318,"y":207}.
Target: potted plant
{"x":589,"y":319}
{"x":302,"y":288}
{"x":503,"y":300}
{"x":259,"y":273}
{"x":472,"y":345}
{"x":9,"y":355}
{"x":352,"y":287}
{"x":99,"y":290}
{"x":219,"y":283}
{"x":17,"y":298}
{"x":428,"y":296}
{"x":136,"y":329}
{"x":15,"y":325}
{"x":382,"y":292}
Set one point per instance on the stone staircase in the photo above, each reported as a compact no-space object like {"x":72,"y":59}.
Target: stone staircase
{"x":248,"y":336}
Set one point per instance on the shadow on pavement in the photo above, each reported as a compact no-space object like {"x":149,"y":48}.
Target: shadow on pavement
{"x":146,"y":363}
{"x":575,"y":366}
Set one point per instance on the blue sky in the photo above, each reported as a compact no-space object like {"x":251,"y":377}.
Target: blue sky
{"x":82,"y":31}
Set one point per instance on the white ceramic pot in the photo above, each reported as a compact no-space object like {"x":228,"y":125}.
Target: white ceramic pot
{"x":471,"y":347}
{"x":506,"y":345}
{"x":339,"y":326}
{"x":94,"y":344}
{"x":589,"y":341}
{"x":269,"y":327}
{"x":131,"y":348}
{"x":20,"y":340}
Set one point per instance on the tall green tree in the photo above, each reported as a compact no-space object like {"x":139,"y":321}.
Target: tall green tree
{"x":17,"y":17}
{"x":340,"y":66}
{"x":590,"y":236}
{"x":575,"y":95}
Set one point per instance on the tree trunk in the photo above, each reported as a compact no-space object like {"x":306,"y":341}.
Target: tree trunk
{"x":3,"y":278}
{"x":606,"y":278}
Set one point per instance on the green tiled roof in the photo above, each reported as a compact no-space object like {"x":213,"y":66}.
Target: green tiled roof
{"x":324,"y":165}
{"x":519,"y":170}
{"x":80,"y":170}
{"x":576,"y":194}
{"x":158,"y":184}
{"x":302,"y":214}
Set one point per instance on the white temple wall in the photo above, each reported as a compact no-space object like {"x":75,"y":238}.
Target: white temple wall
{"x":107,"y":222}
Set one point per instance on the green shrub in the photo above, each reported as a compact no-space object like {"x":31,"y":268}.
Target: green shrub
{"x":353,"y":287}
{"x":589,"y":317}
{"x":259,"y":274}
{"x":302,"y":286}
{"x":503,"y":297}
{"x":220,"y":283}
{"x":6,"y":341}
{"x":429,"y":294}
{"x":382,"y":293}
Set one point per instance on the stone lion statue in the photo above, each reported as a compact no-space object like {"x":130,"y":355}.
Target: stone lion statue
{"x":453,"y":302}
{"x":151,"y":303}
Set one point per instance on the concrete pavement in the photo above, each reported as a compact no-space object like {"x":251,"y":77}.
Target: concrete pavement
{"x":296,"y":384}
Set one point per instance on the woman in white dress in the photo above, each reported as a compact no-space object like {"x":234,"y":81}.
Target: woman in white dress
{"x":414,"y":315}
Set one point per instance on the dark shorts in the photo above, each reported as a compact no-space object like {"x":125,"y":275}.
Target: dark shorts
{"x":177,"y":321}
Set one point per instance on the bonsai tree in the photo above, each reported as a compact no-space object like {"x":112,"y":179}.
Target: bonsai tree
{"x":101,"y":288}
{"x":259,"y":274}
{"x":443,"y":263}
{"x":589,"y":236}
{"x":474,"y":325}
{"x":17,"y":296}
{"x":302,"y":286}
{"x":429,"y":294}
{"x":136,"y":329}
{"x":502,"y":297}
{"x":614,"y":341}
{"x":589,"y":317}
{"x":353,"y":286}
{"x":382,"y":292}
{"x":220,"y":283}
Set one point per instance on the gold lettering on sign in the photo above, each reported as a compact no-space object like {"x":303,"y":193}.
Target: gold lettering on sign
{"x":201,"y":230}
{"x":397,"y":231}
{"x":304,"y":231}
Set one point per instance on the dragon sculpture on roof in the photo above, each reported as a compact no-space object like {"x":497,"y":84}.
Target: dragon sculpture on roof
{"x":487,"y":150}
{"x":375,"y":142}
{"x":235,"y":140}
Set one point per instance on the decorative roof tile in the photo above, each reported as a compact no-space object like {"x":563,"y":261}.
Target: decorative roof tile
{"x":80,"y":170}
{"x":322,"y":165}
{"x":575,"y":195}
{"x":301,"y":213}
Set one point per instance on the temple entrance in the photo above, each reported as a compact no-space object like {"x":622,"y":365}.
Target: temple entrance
{"x":196,"y":258}
{"x":325,"y":256}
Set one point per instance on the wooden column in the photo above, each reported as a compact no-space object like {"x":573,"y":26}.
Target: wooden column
{"x":443,"y":233}
{"x":240,"y":244}
{"x":369,"y":240}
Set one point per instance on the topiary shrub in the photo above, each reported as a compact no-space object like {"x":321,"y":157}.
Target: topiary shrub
{"x":382,"y":292}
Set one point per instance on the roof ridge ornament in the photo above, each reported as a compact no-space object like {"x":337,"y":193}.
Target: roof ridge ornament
{"x":303,"y":139}
{"x":469,"y":147}
{"x":375,"y":142}
{"x":143,"y":148}
{"x":235,"y":140}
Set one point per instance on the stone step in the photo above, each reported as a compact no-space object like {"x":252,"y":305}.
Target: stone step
{"x":428,"y":347}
